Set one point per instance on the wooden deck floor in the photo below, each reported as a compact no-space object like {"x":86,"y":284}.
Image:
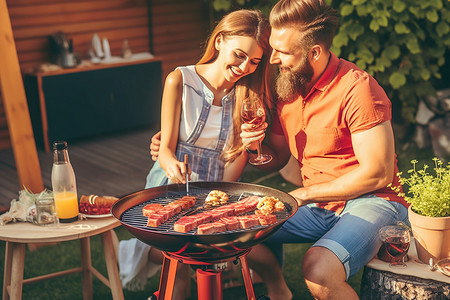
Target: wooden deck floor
{"x":112,"y":165}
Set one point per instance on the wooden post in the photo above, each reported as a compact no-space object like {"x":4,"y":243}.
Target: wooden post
{"x":376,"y":284}
{"x":16,"y":108}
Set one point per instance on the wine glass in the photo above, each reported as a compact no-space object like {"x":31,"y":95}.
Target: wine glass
{"x":396,"y":240}
{"x":253,"y":112}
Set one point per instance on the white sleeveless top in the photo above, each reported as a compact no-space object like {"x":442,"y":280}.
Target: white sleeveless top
{"x":193,"y":91}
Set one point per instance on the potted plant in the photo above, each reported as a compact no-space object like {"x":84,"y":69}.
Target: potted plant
{"x":429,"y":212}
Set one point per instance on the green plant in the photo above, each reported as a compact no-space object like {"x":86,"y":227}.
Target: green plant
{"x":428,"y":194}
{"x":402,"y":43}
{"x":224,"y":6}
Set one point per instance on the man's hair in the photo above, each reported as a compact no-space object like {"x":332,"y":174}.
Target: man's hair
{"x":316,"y":21}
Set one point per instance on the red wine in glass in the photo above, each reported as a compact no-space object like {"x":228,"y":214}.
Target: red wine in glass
{"x":252,"y":112}
{"x":397,"y":247}
{"x":396,"y":240}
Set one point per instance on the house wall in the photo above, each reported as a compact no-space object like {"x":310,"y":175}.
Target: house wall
{"x":173,"y":30}
{"x":179,"y":30}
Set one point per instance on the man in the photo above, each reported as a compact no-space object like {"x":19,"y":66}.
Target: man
{"x":335,"y":120}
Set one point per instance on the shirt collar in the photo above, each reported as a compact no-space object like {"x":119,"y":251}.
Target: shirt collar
{"x":328,"y":74}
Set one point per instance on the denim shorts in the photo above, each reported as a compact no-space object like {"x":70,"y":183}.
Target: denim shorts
{"x":352,"y":235}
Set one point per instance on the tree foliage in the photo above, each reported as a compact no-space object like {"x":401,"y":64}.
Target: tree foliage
{"x":402,"y":43}
{"x":222,"y":6}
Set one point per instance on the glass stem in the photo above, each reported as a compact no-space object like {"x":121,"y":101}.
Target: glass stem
{"x":259,"y":149}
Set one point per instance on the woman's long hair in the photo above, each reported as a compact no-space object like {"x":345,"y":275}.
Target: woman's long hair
{"x":257,"y":85}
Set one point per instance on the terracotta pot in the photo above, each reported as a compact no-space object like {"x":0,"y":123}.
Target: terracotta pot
{"x":431,"y":235}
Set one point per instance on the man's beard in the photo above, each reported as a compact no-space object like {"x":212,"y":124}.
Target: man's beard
{"x":292,"y":83}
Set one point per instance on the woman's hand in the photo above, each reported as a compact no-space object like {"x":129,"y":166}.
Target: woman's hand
{"x":176,"y":171}
{"x":250,"y":134}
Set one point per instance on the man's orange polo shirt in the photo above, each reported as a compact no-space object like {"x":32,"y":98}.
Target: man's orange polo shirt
{"x":318,"y":128}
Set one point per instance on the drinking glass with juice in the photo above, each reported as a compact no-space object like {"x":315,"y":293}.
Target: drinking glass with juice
{"x":66,"y":205}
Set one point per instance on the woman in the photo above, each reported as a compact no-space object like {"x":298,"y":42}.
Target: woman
{"x":200,"y":116}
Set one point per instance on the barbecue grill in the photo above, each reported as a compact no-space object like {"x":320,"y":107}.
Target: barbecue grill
{"x":205,"y":250}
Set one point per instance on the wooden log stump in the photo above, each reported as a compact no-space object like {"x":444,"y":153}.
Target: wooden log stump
{"x":380,"y":285}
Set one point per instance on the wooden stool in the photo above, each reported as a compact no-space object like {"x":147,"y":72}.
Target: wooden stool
{"x":416,"y":281}
{"x":376,"y":284}
{"x":17,"y":235}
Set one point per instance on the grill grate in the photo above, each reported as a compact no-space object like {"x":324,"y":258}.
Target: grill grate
{"x":134,"y":217}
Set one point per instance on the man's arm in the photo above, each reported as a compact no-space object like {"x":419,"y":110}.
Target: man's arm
{"x":374,"y":150}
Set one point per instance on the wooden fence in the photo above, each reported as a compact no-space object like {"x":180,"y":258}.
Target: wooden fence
{"x":170,"y":29}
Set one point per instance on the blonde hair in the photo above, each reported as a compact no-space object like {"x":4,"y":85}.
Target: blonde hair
{"x":257,"y":85}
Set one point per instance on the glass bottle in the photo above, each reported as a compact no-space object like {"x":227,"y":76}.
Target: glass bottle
{"x":126,"y":50}
{"x":64,"y":184}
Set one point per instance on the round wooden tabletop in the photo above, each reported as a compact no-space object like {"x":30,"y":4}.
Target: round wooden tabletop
{"x":24,"y":232}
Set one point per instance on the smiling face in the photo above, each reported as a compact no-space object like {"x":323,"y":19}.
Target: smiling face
{"x":296,"y":72}
{"x":238,"y":56}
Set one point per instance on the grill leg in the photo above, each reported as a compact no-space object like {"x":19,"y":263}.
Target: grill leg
{"x":247,"y":277}
{"x":209,"y":280}
{"x":167,"y":282}
{"x":209,"y":284}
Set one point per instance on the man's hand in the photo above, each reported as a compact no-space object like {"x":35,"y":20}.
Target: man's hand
{"x":154,"y":146}
{"x":300,"y":196}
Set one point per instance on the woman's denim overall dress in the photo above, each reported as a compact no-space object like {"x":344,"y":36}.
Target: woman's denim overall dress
{"x":205,"y":163}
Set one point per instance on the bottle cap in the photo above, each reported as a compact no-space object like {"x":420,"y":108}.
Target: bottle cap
{"x":60,"y":145}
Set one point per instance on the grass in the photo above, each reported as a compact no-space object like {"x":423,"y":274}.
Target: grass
{"x":67,"y":255}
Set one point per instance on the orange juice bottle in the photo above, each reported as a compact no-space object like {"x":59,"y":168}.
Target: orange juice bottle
{"x":64,"y":184}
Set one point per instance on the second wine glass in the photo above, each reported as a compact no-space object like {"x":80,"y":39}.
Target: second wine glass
{"x":253,"y":112}
{"x":396,"y":240}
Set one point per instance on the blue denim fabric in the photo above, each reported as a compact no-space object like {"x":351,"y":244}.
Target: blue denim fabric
{"x":352,"y":235}
{"x":156,"y":176}
{"x":205,"y":163}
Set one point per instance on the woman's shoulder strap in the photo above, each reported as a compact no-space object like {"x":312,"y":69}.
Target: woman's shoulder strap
{"x":191,"y":78}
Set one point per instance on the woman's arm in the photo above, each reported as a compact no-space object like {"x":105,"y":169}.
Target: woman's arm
{"x":233,"y":171}
{"x":170,"y":126}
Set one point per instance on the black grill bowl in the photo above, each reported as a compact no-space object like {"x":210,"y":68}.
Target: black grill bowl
{"x":128,"y":210}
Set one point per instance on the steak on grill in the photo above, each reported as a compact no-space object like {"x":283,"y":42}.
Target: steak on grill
{"x":158,"y":214}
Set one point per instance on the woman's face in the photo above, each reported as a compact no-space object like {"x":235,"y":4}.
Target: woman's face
{"x":238,"y":56}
